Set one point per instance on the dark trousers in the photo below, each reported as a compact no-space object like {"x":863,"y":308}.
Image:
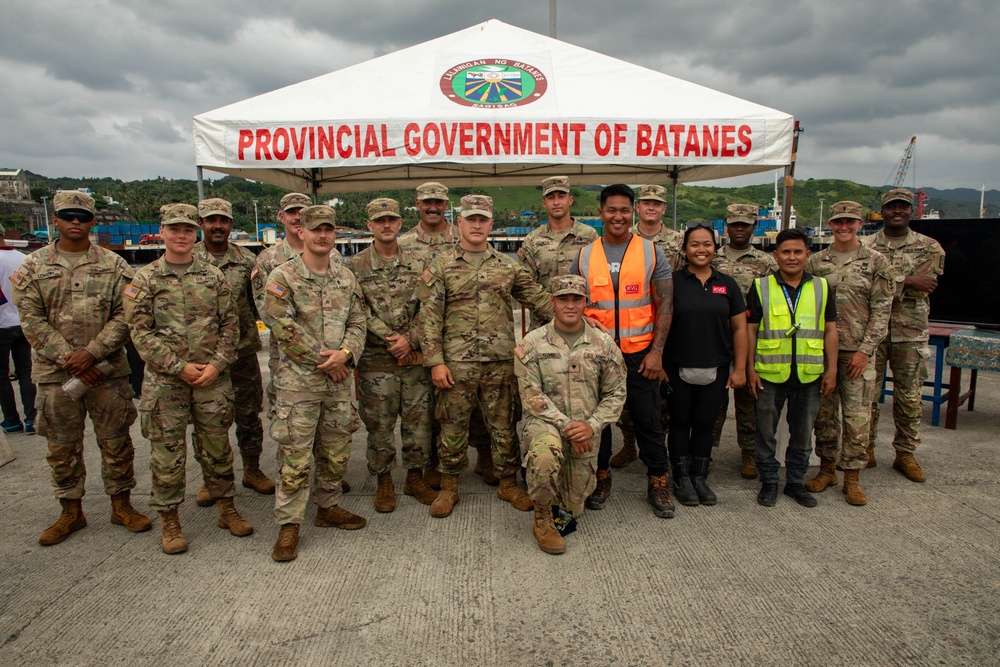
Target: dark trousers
{"x":14,"y":345}
{"x":693,"y":409}
{"x":137,"y":366}
{"x":643,"y":402}
{"x":803,"y":405}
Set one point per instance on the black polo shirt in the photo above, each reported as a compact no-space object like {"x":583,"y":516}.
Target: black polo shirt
{"x":700,"y":335}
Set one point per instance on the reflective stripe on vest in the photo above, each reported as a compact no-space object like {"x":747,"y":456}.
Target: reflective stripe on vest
{"x":773,"y":356}
{"x":628,"y":313}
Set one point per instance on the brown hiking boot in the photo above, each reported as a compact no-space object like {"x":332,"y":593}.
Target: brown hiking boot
{"x":549,"y":539}
{"x":870,"y":450}
{"x":447,"y":498}
{"x":906,"y":464}
{"x":432,"y":477}
{"x":748,"y":465}
{"x":513,"y":494}
{"x":414,"y":486}
{"x":173,"y":539}
{"x":203,"y":498}
{"x":231,"y":519}
{"x":123,"y":514}
{"x":338,"y":517}
{"x":254,"y":478}
{"x":385,"y":494}
{"x":852,"y":488}
{"x":484,"y":465}
{"x":285,"y":546}
{"x":827,"y":476}
{"x":70,"y":520}
{"x":628,"y":453}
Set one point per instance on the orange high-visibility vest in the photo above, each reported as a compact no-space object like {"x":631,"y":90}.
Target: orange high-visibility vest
{"x":630,"y":313}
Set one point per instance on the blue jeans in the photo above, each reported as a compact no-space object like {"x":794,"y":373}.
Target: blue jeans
{"x":803,"y":404}
{"x":13,"y":345}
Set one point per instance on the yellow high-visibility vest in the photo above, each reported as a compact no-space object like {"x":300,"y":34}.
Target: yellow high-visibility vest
{"x":773,"y":356}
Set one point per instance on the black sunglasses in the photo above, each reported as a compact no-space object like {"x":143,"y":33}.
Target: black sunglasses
{"x":695,"y":224}
{"x":70,"y":216}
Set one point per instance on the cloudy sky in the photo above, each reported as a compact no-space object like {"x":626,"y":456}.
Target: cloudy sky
{"x":90,"y":85}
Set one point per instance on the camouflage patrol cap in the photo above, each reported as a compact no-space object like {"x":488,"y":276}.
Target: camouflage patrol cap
{"x":179,"y":214}
{"x":898,"y":194}
{"x":383,"y":207}
{"x":294,"y":200}
{"x":215,"y":206}
{"x":73,"y":199}
{"x":555,"y":184}
{"x":314,"y":216}
{"x":432,"y":190}
{"x":569,"y":284}
{"x":477,"y":205}
{"x":846,"y":209}
{"x":657,"y":192}
{"x":746,"y":213}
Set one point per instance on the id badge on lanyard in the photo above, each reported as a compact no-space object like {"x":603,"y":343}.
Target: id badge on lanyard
{"x":794,"y":329}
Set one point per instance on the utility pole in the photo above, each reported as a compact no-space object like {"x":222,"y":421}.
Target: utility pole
{"x":256,"y":222}
{"x":48,"y":226}
{"x":821,"y":219}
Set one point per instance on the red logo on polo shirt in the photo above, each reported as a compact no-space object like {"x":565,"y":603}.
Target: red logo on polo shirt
{"x":718,"y":289}
{"x":632,"y":288}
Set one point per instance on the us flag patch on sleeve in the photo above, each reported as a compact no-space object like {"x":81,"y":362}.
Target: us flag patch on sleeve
{"x":131,"y":291}
{"x":277,"y":289}
{"x":427,"y":277}
{"x":520,"y":352}
{"x":16,"y":277}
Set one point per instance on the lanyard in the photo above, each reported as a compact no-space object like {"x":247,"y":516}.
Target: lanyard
{"x":788,"y":299}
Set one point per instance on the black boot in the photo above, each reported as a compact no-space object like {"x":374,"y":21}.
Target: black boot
{"x":699,"y":471}
{"x":681,"y":475}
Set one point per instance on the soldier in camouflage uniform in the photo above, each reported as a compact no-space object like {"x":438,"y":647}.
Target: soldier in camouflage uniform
{"x":315,"y":311}
{"x":651,"y":206}
{"x":393,"y":380}
{"x":69,"y":295}
{"x":862,"y":283}
{"x":467,"y":335}
{"x":572,"y":379}
{"x":180,"y":312}
{"x":236,"y":263}
{"x":744,"y":263}
{"x":549,"y":251}
{"x":917,"y":261}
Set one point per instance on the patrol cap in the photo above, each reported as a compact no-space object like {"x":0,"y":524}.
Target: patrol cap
{"x":898,"y":194}
{"x":742,"y":213}
{"x":846,"y":209}
{"x":73,"y":199}
{"x":215,"y":206}
{"x":314,"y":216}
{"x":432,"y":190}
{"x":294,"y":200}
{"x":179,"y":214}
{"x":555,"y":184}
{"x":477,"y":205}
{"x":657,"y":192}
{"x":383,"y":207}
{"x":569,"y":284}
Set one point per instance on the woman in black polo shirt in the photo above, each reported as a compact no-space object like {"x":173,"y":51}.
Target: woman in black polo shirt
{"x":707,"y":336}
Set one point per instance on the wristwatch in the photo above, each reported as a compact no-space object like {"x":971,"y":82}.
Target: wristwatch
{"x":347,"y":352}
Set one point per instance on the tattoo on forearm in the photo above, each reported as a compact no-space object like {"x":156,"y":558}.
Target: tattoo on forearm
{"x":663,"y":293}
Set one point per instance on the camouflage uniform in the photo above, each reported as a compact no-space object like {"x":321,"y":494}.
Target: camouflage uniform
{"x":387,"y":389}
{"x":905,"y":347}
{"x":179,"y":316}
{"x":863,"y":288}
{"x":314,"y":416}
{"x":744,"y":269}
{"x":560,"y":385}
{"x":670,"y":241}
{"x":65,"y":308}
{"x":467,"y":323}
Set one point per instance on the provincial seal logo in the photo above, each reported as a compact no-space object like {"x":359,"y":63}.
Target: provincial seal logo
{"x":493,"y":83}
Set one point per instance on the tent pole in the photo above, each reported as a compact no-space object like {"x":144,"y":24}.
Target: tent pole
{"x":786,"y":204}
{"x":201,"y":183}
{"x":675,"y":201}
{"x":315,"y":185}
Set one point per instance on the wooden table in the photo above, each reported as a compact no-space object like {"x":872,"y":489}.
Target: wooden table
{"x":977,"y":350}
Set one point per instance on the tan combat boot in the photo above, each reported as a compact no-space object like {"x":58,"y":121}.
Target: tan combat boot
{"x":70,"y":520}
{"x":628,"y":453}
{"x":432,"y":477}
{"x":870,"y":450}
{"x":447,"y":498}
{"x":338,"y":517}
{"x":827,"y":476}
{"x":513,"y":494}
{"x":254,"y":478}
{"x":231,"y":519}
{"x":385,"y":494}
{"x":906,"y":464}
{"x":123,"y":514}
{"x":748,"y":465}
{"x":285,"y":546}
{"x":852,"y":488}
{"x":484,"y":464}
{"x":203,"y":498}
{"x":173,"y":539}
{"x":548,"y":537}
{"x":414,"y":486}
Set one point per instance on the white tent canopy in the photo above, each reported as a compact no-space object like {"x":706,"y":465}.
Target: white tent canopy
{"x":490,"y":105}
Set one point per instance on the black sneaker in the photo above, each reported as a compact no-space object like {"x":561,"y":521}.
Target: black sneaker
{"x":800,"y":494}
{"x":599,"y":498}
{"x":658,"y":495}
{"x":768,"y":494}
